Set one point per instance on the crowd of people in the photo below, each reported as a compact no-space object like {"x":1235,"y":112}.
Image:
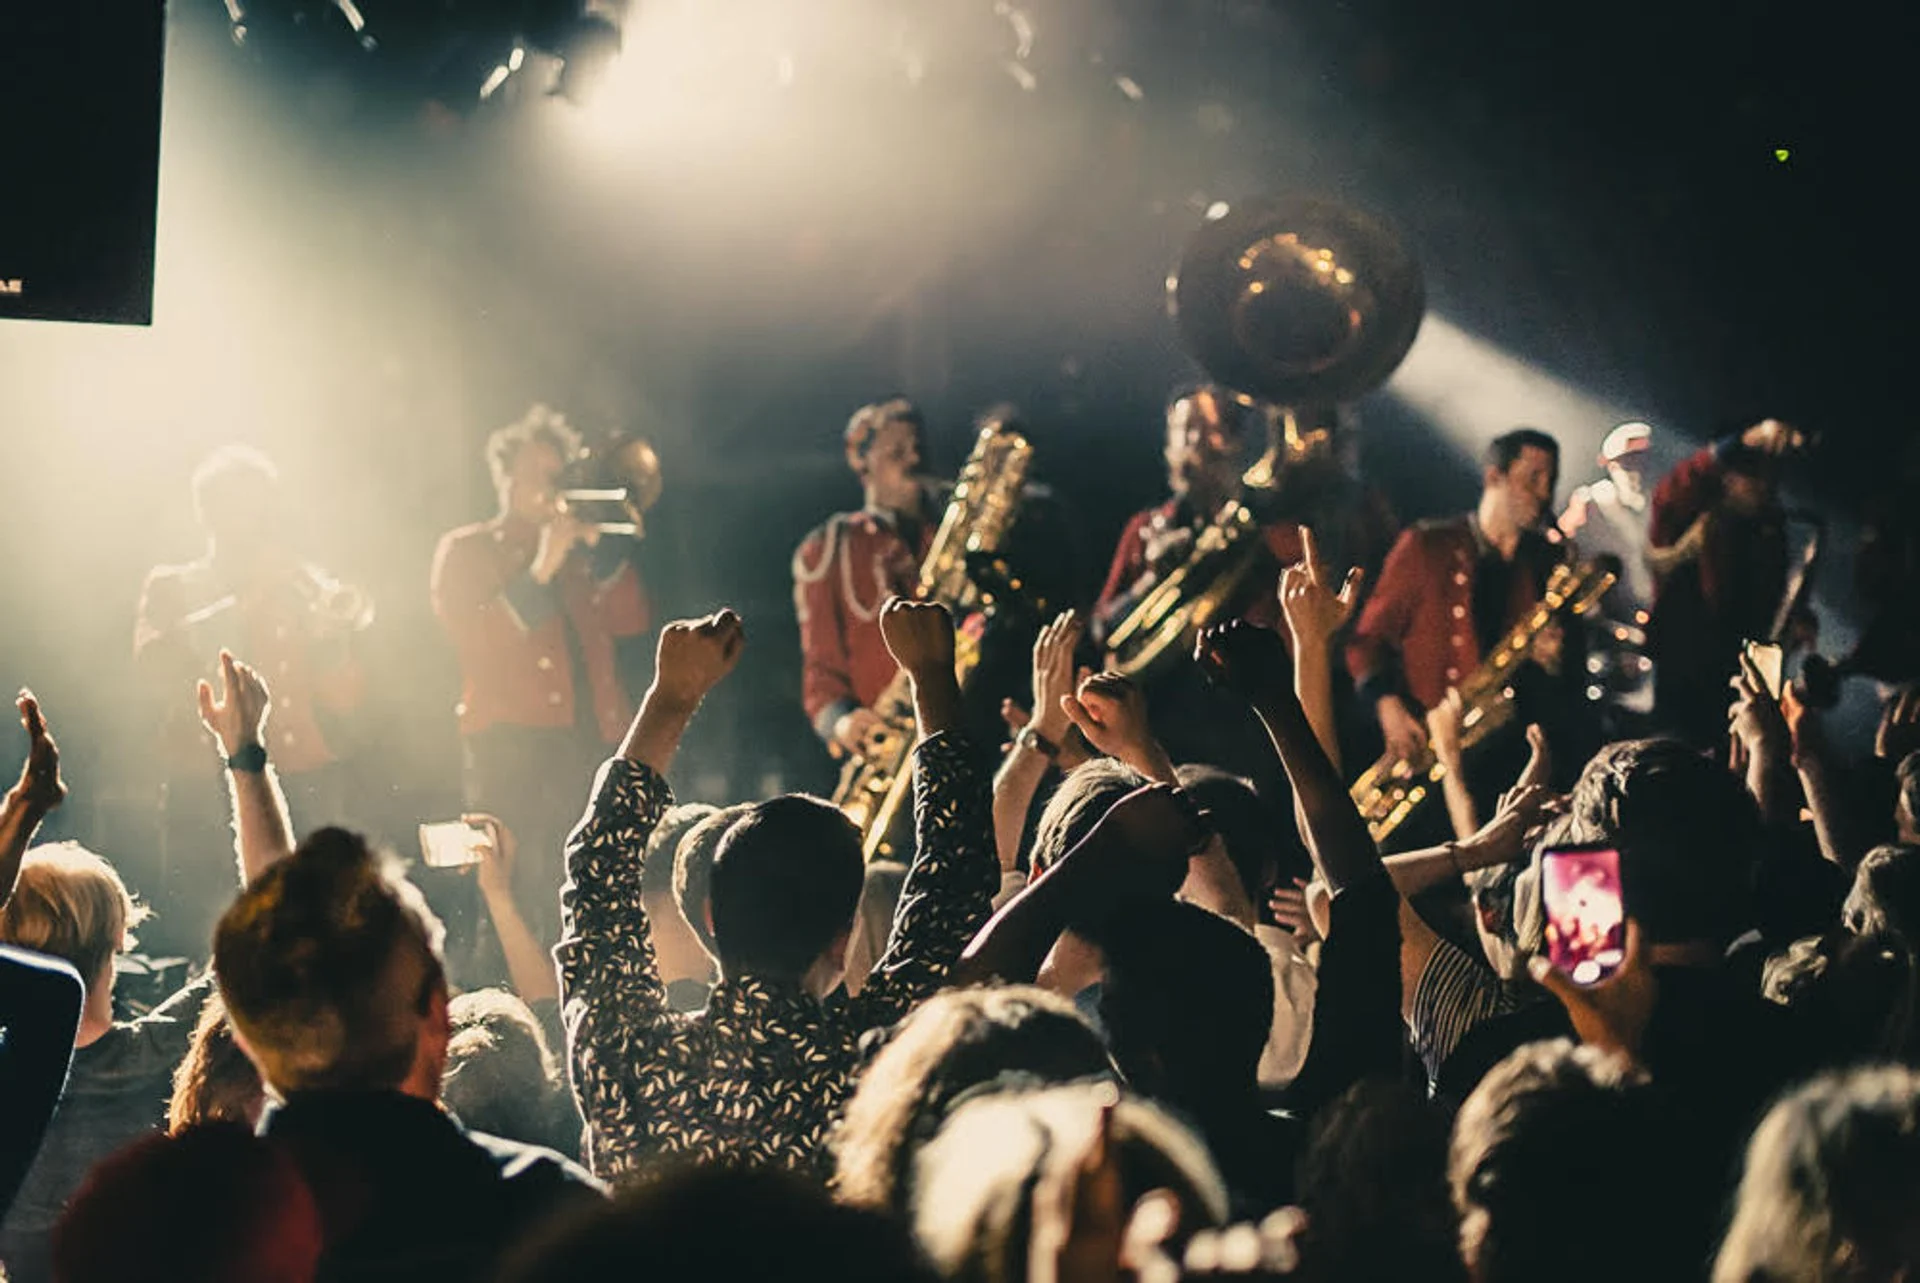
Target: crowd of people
{"x":1146,"y":997}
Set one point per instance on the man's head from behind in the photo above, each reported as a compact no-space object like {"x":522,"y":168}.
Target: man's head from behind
{"x":1689,"y":836}
{"x":70,"y":903}
{"x":693,"y":870}
{"x":1556,"y":1171}
{"x":785,"y":882}
{"x":1084,"y":796}
{"x":330,"y":965}
{"x":1187,"y":1004}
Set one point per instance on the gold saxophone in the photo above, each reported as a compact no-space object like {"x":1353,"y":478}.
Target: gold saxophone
{"x":986,"y":498}
{"x":1389,"y":790}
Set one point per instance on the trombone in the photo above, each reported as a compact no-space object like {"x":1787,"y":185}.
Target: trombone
{"x":621,"y":508}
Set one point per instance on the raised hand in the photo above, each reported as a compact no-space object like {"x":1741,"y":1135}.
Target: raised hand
{"x":919,"y":636}
{"x":495,"y":870}
{"x":1053,"y":675}
{"x":694,"y":655}
{"x":1613,"y":1014}
{"x":40,"y":788}
{"x":1445,"y":721}
{"x":238,"y":718}
{"x":1314,"y":608}
{"x":1112,"y":713}
{"x":1244,"y":658}
{"x":1754,"y":718}
{"x":1404,"y":735}
{"x":1899,"y":730}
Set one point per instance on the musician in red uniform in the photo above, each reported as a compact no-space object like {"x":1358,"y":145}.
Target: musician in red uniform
{"x":534,"y":601}
{"x":1717,"y":545}
{"x":252,"y":594}
{"x":846,"y":568}
{"x":1450,"y":589}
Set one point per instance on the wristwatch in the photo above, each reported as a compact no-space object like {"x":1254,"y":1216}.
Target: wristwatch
{"x":1029,"y":738}
{"x":252,"y":758}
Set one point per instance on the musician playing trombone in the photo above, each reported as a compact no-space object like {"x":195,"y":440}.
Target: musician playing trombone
{"x":534,"y":601}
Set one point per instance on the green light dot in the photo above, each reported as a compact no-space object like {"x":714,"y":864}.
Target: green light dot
{"x":1781,"y":154}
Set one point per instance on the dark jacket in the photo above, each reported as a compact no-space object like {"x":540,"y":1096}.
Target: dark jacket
{"x":116,"y":1093}
{"x":406,"y":1193}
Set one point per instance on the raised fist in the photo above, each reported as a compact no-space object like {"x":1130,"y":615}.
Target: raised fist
{"x":919,"y":636}
{"x":1243,"y":657}
{"x":695,"y":654}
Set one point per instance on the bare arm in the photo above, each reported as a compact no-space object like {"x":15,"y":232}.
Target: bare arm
{"x":1112,"y":713}
{"x":39,"y":791}
{"x":1025,"y":766}
{"x":262,"y":829}
{"x":529,"y":967}
{"x":1315,"y":612}
{"x":1443,"y":736}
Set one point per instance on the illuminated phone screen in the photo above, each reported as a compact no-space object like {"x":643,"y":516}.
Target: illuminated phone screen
{"x":1586,"y":917}
{"x":452,"y":845}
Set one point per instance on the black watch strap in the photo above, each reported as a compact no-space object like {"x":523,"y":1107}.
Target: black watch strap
{"x":251,"y":758}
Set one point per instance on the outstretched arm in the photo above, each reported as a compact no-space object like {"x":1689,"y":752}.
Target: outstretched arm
{"x":619,"y":1026}
{"x":262,"y":830}
{"x":39,"y":791}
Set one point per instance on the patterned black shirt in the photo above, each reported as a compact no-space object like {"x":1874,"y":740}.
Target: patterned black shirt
{"x":760,"y":1075}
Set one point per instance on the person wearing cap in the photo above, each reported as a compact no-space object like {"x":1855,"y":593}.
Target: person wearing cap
{"x":1608,"y":518}
{"x":1718,"y":551}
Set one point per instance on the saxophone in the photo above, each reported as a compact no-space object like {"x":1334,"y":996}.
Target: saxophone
{"x":985,"y":500}
{"x":1389,"y":790}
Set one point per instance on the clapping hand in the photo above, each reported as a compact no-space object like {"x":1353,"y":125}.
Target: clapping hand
{"x":41,"y":788}
{"x":695,"y":655}
{"x":239,"y":717}
{"x":1314,"y":608}
{"x":1053,"y":675}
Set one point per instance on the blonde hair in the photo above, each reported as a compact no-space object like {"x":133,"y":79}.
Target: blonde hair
{"x":70,"y":903}
{"x":1830,"y":1190}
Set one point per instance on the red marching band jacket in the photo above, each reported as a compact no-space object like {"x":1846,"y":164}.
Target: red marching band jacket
{"x":843,"y":572}
{"x":515,"y":665}
{"x":1419,"y":617}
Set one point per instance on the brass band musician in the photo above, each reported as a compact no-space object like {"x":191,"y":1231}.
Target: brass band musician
{"x":251,"y":593}
{"x":847,"y":567}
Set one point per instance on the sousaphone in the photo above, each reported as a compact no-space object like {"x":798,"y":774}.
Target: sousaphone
{"x":1289,"y":304}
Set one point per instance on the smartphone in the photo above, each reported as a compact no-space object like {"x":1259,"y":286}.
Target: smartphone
{"x":453,"y":845}
{"x":1771,"y":661}
{"x":1585,"y":914}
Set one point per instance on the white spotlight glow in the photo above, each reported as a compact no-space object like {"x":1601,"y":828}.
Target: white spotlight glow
{"x":1473,"y":391}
